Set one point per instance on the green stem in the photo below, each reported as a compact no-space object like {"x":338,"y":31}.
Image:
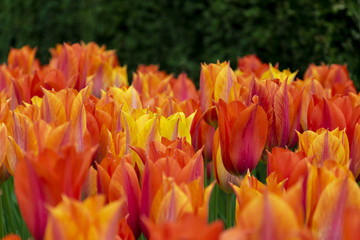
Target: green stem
{"x":8,"y":211}
{"x":229,"y":209}
{"x":216,"y":200}
{"x":2,"y":231}
{"x":205,"y":176}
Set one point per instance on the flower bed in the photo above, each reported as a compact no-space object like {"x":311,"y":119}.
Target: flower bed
{"x":256,"y":152}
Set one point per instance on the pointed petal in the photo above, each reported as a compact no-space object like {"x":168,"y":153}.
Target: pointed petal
{"x":223,"y":84}
{"x":31,"y":198}
{"x":281,"y":112}
{"x":3,"y":142}
{"x":78,"y":117}
{"x":52,"y":109}
{"x":328,"y":217}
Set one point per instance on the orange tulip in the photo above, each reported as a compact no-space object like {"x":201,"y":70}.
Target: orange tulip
{"x":91,"y":219}
{"x":149,"y":84}
{"x":243,"y":134}
{"x":323,"y":113}
{"x":155,"y":69}
{"x":183,"y":88}
{"x":280,"y":127}
{"x":23,"y":60}
{"x":41,"y":180}
{"x":295,"y":110}
{"x":287,"y":165}
{"x":251,"y":189}
{"x":334,"y":77}
{"x":21,"y":138}
{"x":81,"y":63}
{"x":122,"y":184}
{"x":53,"y":79}
{"x":172,"y":201}
{"x":252,"y":64}
{"x":345,"y":105}
{"x":317,"y":72}
{"x":171,"y":159}
{"x":308,"y":88}
{"x":216,"y":82}
{"x":208,"y":77}
{"x":282,"y":104}
{"x":27,"y":77}
{"x":63,"y":112}
{"x":175,"y":159}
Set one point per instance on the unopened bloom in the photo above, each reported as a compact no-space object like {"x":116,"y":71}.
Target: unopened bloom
{"x":243,"y":134}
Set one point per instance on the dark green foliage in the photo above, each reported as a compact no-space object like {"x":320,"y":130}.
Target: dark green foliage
{"x":179,"y":34}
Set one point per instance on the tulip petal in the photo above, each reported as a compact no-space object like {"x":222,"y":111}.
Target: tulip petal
{"x":52,"y":108}
{"x":224,"y":81}
{"x":3,"y":142}
{"x":272,"y":218}
{"x":281,"y":112}
{"x":328,"y":217}
{"x":78,"y":116}
{"x":31,"y":198}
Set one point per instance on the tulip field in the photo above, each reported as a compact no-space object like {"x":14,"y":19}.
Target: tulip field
{"x":257,"y":152}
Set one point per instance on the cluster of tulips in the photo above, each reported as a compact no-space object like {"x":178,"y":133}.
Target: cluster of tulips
{"x":94,"y":158}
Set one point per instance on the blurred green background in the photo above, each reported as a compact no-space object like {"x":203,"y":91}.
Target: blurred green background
{"x":179,"y":34}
